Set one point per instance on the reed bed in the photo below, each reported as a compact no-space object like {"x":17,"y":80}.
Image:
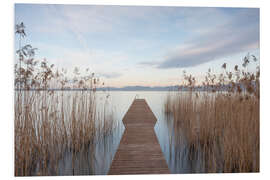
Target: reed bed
{"x":56,"y":132}
{"x":221,"y":125}
{"x":48,"y":125}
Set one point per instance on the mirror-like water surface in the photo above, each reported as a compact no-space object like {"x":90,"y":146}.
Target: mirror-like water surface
{"x":176,"y":155}
{"x":110,"y":107}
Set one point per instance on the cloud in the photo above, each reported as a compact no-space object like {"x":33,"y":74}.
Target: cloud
{"x":230,"y":35}
{"x":117,"y":37}
{"x":96,"y":60}
{"x":110,"y":75}
{"x":149,"y":63}
{"x":98,"y":18}
{"x":109,"y":21}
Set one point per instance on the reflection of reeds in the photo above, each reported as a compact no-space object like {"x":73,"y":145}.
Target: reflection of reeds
{"x":50,"y":126}
{"x":47,"y":125}
{"x":222,"y":126}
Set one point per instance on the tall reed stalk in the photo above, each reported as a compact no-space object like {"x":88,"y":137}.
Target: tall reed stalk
{"x":52,"y":125}
{"x":220,"y":124}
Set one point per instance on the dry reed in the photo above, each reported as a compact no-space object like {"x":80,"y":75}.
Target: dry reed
{"x":51,"y":124}
{"x":222,"y":122}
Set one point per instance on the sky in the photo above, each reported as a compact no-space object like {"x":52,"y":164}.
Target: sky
{"x":140,"y":45}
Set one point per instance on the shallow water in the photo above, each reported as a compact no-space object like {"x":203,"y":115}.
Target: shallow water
{"x":176,"y":155}
{"x":97,"y":158}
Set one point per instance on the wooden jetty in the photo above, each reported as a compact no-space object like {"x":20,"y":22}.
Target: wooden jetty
{"x":139,"y":151}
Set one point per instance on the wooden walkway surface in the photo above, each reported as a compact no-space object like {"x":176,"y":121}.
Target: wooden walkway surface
{"x":139,"y":151}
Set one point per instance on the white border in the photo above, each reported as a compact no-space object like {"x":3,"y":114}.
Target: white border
{"x":6,"y":77}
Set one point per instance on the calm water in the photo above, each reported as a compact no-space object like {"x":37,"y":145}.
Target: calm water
{"x":98,"y":157}
{"x":176,"y":155}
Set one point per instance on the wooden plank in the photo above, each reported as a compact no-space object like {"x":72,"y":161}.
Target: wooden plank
{"x":139,"y":151}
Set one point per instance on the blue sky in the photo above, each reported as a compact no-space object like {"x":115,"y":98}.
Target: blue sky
{"x":139,"y":45}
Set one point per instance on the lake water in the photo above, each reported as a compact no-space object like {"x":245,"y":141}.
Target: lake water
{"x":98,"y":157}
{"x":175,"y":155}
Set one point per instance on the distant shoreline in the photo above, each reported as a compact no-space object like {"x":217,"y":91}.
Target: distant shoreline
{"x":136,"y":88}
{"x":87,"y":90}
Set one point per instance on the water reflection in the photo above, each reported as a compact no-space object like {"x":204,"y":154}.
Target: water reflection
{"x":172,"y":140}
{"x":179,"y":156}
{"x":96,"y":154}
{"x":96,"y":157}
